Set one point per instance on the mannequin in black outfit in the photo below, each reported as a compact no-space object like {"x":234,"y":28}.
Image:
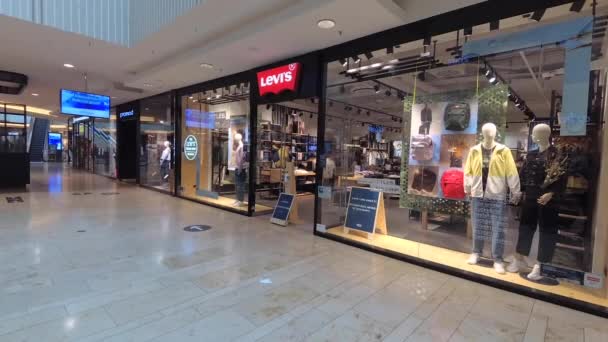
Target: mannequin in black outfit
{"x":542,"y":181}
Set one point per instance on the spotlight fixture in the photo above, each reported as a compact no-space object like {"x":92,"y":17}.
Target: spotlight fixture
{"x":494,"y":25}
{"x":206,"y":66}
{"x":359,"y":111}
{"x":390,"y":50}
{"x":268,"y":107}
{"x":301,"y":114}
{"x":34,"y":94}
{"x":68,"y":65}
{"x":427,"y":41}
{"x":343,"y":61}
{"x":468,"y":31}
{"x":368,"y":113}
{"x":369,"y":55}
{"x":356,"y":59}
{"x":311,"y":115}
{"x":538,"y":15}
{"x":377,"y":89}
{"x":401,"y":96}
{"x":362,"y":124}
{"x":326,"y":24}
{"x":493,"y":80}
{"x":577,"y":6}
{"x":388,"y":93}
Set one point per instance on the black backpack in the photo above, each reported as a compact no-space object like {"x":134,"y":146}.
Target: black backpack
{"x":457,"y":116}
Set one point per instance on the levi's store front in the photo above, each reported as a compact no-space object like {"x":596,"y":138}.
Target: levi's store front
{"x":475,"y":150}
{"x":243,"y":142}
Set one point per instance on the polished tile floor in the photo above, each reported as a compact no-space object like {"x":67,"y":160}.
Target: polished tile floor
{"x":84,"y":258}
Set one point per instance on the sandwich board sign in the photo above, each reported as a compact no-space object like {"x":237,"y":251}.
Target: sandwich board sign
{"x":280,"y":215}
{"x":365,"y":212}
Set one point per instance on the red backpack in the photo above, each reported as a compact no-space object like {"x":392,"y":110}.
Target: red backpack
{"x":452,"y":184}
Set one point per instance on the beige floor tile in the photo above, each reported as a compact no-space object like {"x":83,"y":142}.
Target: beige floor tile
{"x":351,"y":326}
{"x":70,"y":327}
{"x":222,"y":326}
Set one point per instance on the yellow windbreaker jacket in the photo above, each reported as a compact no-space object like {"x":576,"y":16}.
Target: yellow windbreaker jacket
{"x":502,"y":174}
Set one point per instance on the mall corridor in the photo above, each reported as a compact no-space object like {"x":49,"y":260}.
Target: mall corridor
{"x":85,"y":258}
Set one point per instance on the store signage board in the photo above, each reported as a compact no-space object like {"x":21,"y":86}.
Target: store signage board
{"x":280,"y":215}
{"x":127,"y":115}
{"x":278,"y":80}
{"x":190,"y":147}
{"x":573,"y":276}
{"x":365,"y":212}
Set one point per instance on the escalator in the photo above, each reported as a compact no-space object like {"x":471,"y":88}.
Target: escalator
{"x":39,"y":139}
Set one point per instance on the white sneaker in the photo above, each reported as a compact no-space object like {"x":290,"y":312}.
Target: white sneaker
{"x":499,"y":267}
{"x":513,"y":266}
{"x":473,"y":259}
{"x":535,"y":274}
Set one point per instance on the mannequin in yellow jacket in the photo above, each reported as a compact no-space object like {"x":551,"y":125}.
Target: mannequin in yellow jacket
{"x":490,"y":175}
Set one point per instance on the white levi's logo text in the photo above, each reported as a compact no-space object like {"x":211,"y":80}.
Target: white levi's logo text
{"x":280,"y":79}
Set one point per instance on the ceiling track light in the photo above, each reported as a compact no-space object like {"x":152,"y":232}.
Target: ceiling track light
{"x":343,"y":61}
{"x":538,"y":15}
{"x":369,"y":55}
{"x":377,"y":89}
{"x":468,"y":31}
{"x":494,"y":25}
{"x":356,"y":59}
{"x":427,"y":41}
{"x":388,"y":93}
{"x":577,"y":6}
{"x":390,"y":50}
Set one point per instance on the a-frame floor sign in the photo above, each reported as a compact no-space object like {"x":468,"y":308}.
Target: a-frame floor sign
{"x":365,"y":212}
{"x":282,"y":212}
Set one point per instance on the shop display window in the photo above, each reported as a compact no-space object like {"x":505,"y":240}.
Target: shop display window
{"x":287,"y":144}
{"x":13,"y":132}
{"x":485,"y":160}
{"x":157,"y":135}
{"x":105,"y":145}
{"x":216,"y":145}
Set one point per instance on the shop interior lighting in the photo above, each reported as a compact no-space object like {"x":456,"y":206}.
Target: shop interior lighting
{"x":68,"y":65}
{"x":369,"y":55}
{"x":494,"y":25}
{"x":207,"y":66}
{"x":344,"y":62}
{"x":34,"y":94}
{"x":390,"y":50}
{"x":468,"y":31}
{"x":388,"y":93}
{"x":352,"y":70}
{"x":376,"y":65}
{"x":356,"y":59}
{"x":377,"y":89}
{"x":386,"y":67}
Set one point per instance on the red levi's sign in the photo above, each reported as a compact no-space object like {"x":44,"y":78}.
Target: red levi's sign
{"x":278,"y":80}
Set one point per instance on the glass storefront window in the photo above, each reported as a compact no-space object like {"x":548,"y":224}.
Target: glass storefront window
{"x":105,"y":145}
{"x":13,"y":131}
{"x":216,"y":141}
{"x":157,"y":138}
{"x":486,"y":163}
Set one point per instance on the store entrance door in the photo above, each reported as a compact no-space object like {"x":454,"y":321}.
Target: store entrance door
{"x":287,"y":145}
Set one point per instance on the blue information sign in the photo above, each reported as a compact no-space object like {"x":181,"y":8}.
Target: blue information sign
{"x":362,"y":209}
{"x":281,"y":211}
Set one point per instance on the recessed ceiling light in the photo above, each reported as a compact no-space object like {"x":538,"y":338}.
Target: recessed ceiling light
{"x":207,"y":66}
{"x":326,"y":24}
{"x":147,"y":85}
{"x":34,"y":94}
{"x":68,"y":65}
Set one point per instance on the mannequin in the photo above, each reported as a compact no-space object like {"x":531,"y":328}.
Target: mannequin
{"x":543,"y":177}
{"x":490,"y":174}
{"x":240,"y":171}
{"x":165,"y":161}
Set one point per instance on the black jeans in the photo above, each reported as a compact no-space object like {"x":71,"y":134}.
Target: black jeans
{"x":543,"y":216}
{"x":241,"y":184}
